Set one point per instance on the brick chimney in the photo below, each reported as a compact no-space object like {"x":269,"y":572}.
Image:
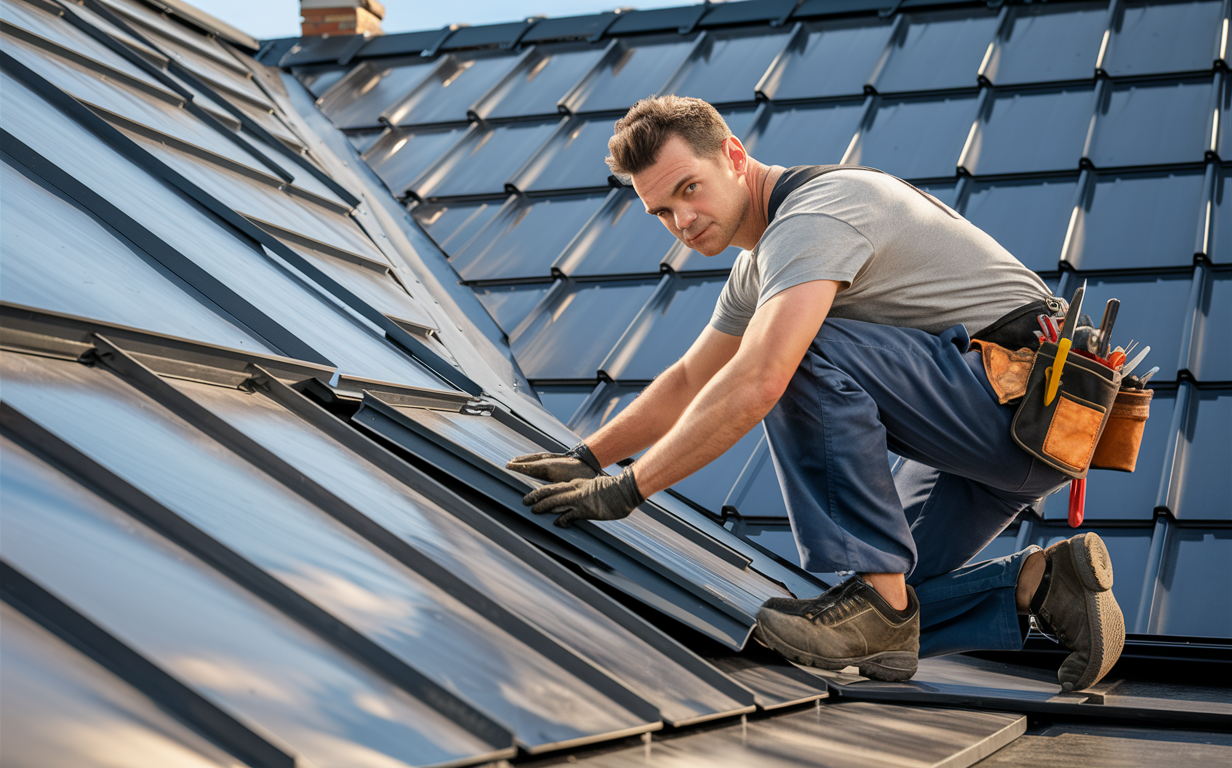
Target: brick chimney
{"x":341,"y":17}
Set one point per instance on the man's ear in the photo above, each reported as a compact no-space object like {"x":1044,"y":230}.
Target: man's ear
{"x":735,"y":155}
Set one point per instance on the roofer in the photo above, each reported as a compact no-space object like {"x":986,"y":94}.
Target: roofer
{"x":844,"y":326}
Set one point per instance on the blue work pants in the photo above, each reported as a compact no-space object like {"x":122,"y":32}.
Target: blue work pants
{"x":863,"y":389}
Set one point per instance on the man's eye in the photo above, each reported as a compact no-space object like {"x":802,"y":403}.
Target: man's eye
{"x":691,"y":187}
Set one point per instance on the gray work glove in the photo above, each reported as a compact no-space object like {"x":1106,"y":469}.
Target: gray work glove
{"x":601,"y":498}
{"x":577,"y":462}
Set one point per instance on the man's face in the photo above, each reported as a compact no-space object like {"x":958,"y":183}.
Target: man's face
{"x":702,"y":200}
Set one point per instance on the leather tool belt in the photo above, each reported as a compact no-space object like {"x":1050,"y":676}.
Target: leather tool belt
{"x":1092,"y":422}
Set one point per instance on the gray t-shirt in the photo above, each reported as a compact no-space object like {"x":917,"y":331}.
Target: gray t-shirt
{"x":900,"y":257}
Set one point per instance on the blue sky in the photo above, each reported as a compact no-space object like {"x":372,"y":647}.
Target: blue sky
{"x":280,"y":18}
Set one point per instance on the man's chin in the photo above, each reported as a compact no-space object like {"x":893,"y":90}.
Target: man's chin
{"x":706,"y":249}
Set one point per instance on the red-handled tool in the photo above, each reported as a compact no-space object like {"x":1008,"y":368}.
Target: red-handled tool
{"x":1048,"y":328}
{"x":1077,"y":501}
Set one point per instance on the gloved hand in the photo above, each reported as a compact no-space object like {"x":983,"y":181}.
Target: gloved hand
{"x":577,"y":462}
{"x":600,"y":498}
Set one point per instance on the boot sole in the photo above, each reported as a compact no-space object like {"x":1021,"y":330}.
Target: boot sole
{"x":1093,"y":564}
{"x":1107,"y":623}
{"x":887,"y":666}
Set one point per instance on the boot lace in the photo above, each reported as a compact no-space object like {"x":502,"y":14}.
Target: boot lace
{"x":835,"y":605}
{"x":1037,"y":625}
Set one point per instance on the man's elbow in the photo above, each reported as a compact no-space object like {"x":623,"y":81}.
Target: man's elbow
{"x":766,"y":391}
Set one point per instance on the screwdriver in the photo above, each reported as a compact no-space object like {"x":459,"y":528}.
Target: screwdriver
{"x":1067,"y":340}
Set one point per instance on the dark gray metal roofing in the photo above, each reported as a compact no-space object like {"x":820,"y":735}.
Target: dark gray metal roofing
{"x":259,"y":389}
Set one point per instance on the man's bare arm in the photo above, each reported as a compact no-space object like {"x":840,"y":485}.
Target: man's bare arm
{"x":658,"y":408}
{"x":744,"y":391}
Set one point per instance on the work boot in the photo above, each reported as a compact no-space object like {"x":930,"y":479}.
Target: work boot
{"x":848,"y":625}
{"x":1074,"y":602}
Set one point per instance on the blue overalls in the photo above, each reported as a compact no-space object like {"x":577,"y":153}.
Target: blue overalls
{"x":864,"y":388}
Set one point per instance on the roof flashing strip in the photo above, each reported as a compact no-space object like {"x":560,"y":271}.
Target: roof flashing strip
{"x":29,"y":330}
{"x":604,"y":563}
{"x":678,"y":527}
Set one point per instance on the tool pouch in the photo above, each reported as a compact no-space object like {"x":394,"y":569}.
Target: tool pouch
{"x":1118,"y":447}
{"x":1064,"y":433}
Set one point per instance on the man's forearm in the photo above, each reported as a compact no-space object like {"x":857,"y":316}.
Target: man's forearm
{"x":645,"y":420}
{"x":725,"y":410}
{"x":744,"y":390}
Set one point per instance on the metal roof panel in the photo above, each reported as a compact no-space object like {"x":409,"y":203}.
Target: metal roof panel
{"x":1136,"y":220}
{"x":915,"y":138}
{"x":1196,"y":557}
{"x":620,"y":239}
{"x":239,"y":504}
{"x":635,"y":68}
{"x":400,"y":155}
{"x":937,"y":51}
{"x":1031,"y":131}
{"x":682,"y":19}
{"x":1203,"y":486}
{"x":509,"y":305}
{"x":454,"y":84}
{"x":728,"y":65}
{"x":1157,"y":37}
{"x":359,"y":98}
{"x":571,"y":159}
{"x":1171,"y":124}
{"x":539,"y":81}
{"x":804,"y":135}
{"x":483,"y":160}
{"x":525,"y":237}
{"x":47,"y":683}
{"x":832,"y":58}
{"x":60,"y":257}
{"x":1028,"y":218}
{"x":664,"y":329}
{"x":560,"y":340}
{"x":454,"y":225}
{"x":1047,"y":43}
{"x":1211,"y":353}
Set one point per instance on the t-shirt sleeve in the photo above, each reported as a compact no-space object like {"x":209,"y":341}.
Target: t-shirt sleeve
{"x":738,"y":299}
{"x":804,"y":247}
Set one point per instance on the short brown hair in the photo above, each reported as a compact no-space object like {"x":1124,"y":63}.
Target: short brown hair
{"x":648,"y":124}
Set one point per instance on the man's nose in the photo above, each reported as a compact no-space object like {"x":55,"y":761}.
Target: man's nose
{"x":684,"y":218}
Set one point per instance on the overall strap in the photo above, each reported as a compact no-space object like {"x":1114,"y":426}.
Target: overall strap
{"x":797,"y":176}
{"x":792,"y":179}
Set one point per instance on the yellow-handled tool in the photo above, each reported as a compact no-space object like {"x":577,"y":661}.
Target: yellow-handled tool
{"x":1054,"y":383}
{"x":1063,"y":346}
